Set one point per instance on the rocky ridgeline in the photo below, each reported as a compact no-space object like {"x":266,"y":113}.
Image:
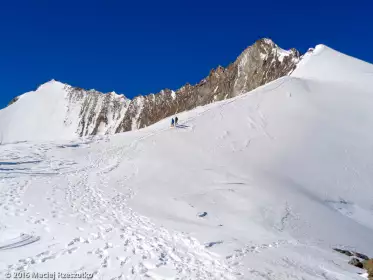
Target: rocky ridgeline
{"x":259,"y":64}
{"x":98,"y":113}
{"x":91,"y":112}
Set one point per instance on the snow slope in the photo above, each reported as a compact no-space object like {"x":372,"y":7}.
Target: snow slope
{"x":58,"y":111}
{"x":41,"y":112}
{"x":261,"y":186}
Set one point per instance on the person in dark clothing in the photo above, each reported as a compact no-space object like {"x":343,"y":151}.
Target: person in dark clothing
{"x":172,"y":122}
{"x":176,"y":120}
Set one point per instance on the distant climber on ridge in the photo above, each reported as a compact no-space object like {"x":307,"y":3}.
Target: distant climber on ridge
{"x":172,"y":122}
{"x":176,"y":120}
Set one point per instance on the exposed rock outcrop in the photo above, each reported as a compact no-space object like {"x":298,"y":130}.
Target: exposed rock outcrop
{"x":14,"y":100}
{"x":359,"y":260}
{"x":97,"y":113}
{"x":356,"y":262}
{"x":352,"y":253}
{"x":259,"y":64}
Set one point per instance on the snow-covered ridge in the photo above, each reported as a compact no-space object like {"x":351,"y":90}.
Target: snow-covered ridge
{"x":59,"y":111}
{"x":88,"y":112}
{"x":327,"y":64}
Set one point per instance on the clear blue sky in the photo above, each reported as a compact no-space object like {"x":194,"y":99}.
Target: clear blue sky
{"x":139,"y":47}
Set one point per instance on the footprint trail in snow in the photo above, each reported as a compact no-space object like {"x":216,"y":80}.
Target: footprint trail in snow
{"x":59,"y":214}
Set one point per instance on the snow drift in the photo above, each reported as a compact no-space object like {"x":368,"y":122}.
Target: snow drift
{"x":261,"y":186}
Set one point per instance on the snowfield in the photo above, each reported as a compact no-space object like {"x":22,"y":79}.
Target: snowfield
{"x":261,"y":186}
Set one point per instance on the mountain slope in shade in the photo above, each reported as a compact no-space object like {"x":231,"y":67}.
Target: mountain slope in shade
{"x":260,"y":186}
{"x":57,"y":111}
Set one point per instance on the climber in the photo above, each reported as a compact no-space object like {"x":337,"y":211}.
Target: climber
{"x":172,"y":122}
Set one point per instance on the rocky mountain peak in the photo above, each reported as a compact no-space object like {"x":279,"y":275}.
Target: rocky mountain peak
{"x":265,"y":41}
{"x":100,"y":113}
{"x":257,"y":65}
{"x":295,"y":52}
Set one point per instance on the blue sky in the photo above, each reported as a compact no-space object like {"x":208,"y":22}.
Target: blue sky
{"x":140,"y":47}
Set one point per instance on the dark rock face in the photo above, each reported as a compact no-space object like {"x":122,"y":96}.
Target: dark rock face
{"x":356,"y":262}
{"x":344,"y":252}
{"x":361,"y":256}
{"x":259,"y":64}
{"x":352,"y":253}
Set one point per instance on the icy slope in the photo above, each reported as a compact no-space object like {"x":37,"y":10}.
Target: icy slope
{"x":261,"y":186}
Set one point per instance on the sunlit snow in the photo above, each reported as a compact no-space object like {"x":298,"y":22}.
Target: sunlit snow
{"x":261,"y":186}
